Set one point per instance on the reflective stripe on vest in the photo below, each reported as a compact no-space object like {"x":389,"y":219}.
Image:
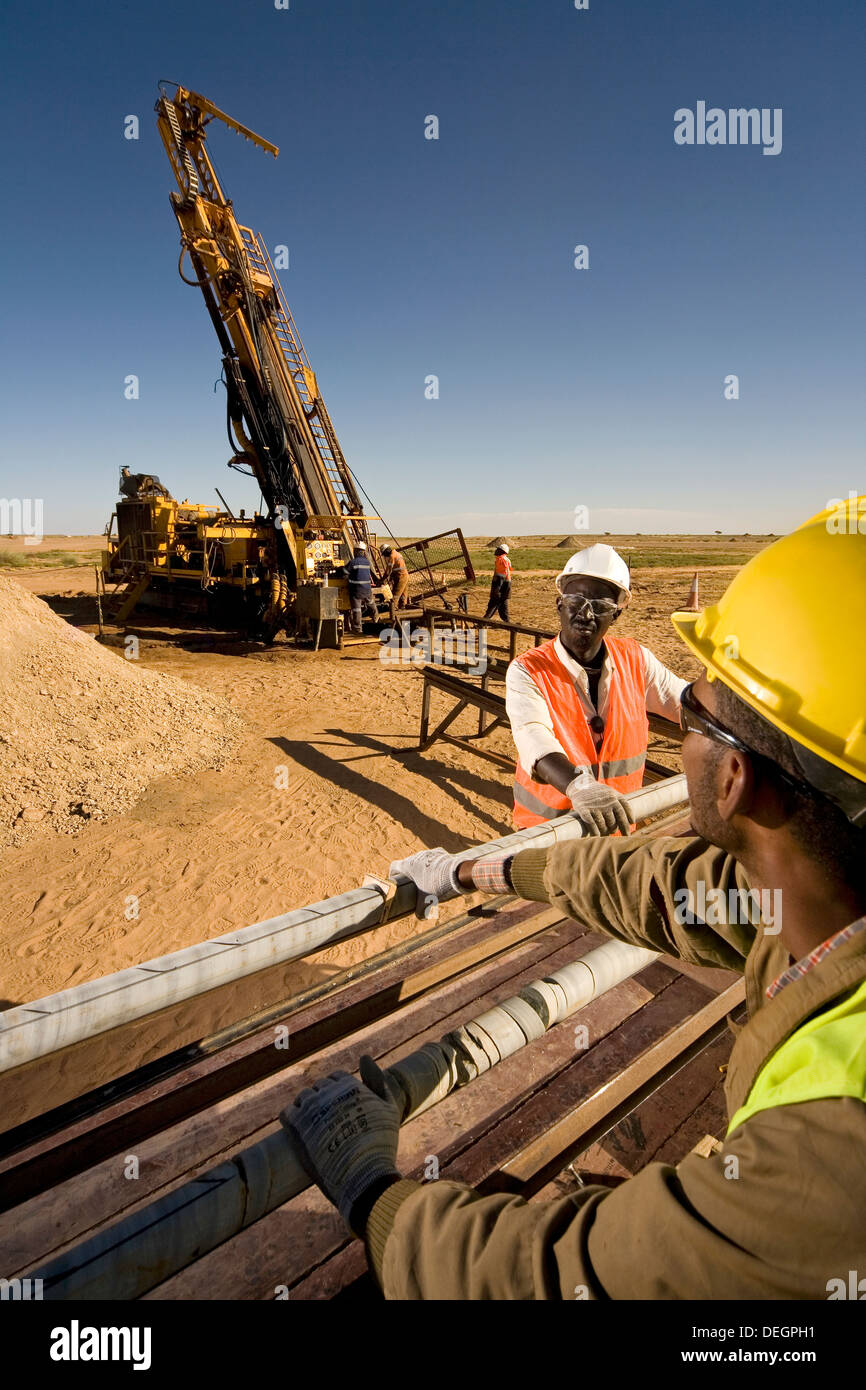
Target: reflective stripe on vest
{"x":824,"y":1058}
{"x":620,"y":761}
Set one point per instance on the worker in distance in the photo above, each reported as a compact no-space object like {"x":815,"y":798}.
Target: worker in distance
{"x":396,"y":575}
{"x":578,"y":703}
{"x":775,"y":758}
{"x":500,"y":584}
{"x":360,"y":580}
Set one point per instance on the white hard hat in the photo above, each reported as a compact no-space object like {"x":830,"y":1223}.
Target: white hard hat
{"x":503,"y":548}
{"x":599,"y":562}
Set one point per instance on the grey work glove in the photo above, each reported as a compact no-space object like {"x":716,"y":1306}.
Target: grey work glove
{"x":434,"y":873}
{"x":346,"y":1132}
{"x":600,"y":808}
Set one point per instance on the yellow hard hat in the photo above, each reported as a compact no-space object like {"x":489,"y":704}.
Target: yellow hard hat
{"x":789,"y":637}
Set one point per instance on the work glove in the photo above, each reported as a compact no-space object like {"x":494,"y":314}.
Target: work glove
{"x":434,"y":873}
{"x":600,"y":808}
{"x":346,"y":1133}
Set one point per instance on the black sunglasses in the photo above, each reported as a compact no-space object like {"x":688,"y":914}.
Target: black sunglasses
{"x":694,"y":719}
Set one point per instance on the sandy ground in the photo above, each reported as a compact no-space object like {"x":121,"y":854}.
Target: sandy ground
{"x":323,"y":787}
{"x":85,"y":732}
{"x":24,"y":545}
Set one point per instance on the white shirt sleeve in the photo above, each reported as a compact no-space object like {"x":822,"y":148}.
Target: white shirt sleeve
{"x":662,"y":687}
{"x":529,"y":716}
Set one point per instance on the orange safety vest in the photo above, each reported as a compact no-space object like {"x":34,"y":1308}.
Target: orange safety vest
{"x":503,"y":566}
{"x":619,"y":763}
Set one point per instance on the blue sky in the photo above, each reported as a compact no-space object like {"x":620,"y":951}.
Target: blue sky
{"x":559,"y":388}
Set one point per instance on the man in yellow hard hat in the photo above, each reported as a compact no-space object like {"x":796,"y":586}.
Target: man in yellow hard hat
{"x":775,"y":756}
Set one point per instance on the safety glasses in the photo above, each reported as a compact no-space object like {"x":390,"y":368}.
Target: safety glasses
{"x":598,"y":607}
{"x":694,"y":719}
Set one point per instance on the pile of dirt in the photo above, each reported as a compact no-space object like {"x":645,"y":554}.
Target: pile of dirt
{"x":83,"y":731}
{"x":498,"y":540}
{"x":572,"y":543}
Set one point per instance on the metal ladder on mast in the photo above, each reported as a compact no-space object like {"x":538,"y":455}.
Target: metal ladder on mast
{"x":331,"y":455}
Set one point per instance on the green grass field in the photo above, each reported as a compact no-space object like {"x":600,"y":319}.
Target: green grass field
{"x":553,"y":559}
{"x":44,"y":559}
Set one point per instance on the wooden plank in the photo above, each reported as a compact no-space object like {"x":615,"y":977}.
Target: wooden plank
{"x":345,"y":1275}
{"x":455,"y":931}
{"x":48,"y":1162}
{"x":471,"y":1123}
{"x":710,"y":1117}
{"x":292,"y":1237}
{"x":276,"y":1243}
{"x":671,"y":1110}
{"x":659,"y":770}
{"x":580,"y":1070}
{"x":666,"y":727}
{"x":62,"y":1215}
{"x":663,"y":1128}
{"x":712,"y":976}
{"x":567,"y":1133}
{"x":56,"y":1079}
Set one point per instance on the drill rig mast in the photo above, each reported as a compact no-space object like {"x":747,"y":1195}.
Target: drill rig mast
{"x":278,"y":424}
{"x":278,"y":563}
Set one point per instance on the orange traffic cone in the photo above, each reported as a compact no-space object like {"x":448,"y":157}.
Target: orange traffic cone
{"x":693,"y":602}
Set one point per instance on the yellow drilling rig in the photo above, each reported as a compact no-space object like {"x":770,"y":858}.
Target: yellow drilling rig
{"x":280,"y":568}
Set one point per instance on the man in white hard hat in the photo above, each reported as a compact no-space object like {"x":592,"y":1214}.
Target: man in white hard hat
{"x":578,"y":704}
{"x":500,"y":585}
